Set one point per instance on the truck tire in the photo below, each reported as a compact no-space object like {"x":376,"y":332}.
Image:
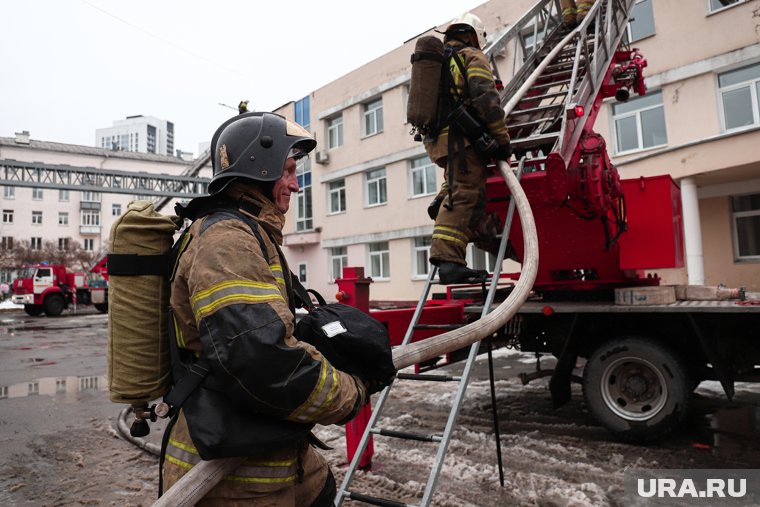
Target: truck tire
{"x":33,"y":310}
{"x":101,"y":307}
{"x":637,"y":388}
{"x":54,"y":305}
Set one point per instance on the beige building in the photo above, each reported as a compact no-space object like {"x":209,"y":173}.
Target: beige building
{"x":365,"y":192}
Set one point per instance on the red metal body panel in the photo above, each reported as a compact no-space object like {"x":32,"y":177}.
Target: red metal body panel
{"x":436,"y":312}
{"x":654,"y":238}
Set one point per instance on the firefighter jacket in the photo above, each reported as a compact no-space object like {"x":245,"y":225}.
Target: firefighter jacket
{"x":478,"y":90}
{"x":231,"y":308}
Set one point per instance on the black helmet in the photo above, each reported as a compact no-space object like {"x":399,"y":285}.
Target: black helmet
{"x":255,"y":146}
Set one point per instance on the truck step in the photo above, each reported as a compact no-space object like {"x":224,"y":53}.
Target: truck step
{"x":373,"y":500}
{"x":445,"y":327}
{"x":429,"y":378}
{"x":406,"y":435}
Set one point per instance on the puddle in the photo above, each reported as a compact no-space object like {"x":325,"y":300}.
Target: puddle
{"x":67,"y":387}
{"x":735,"y":429}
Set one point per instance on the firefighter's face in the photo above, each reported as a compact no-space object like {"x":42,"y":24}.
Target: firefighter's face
{"x":285,"y":186}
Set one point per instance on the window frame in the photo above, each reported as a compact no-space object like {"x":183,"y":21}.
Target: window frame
{"x":304,"y":197}
{"x":334,"y":125}
{"x":303,"y":272}
{"x":341,"y":197}
{"x":425,"y":170}
{"x":385,"y":260}
{"x":35,"y":243}
{"x":380,"y":182}
{"x":711,"y":11}
{"x":639,"y":128}
{"x":37,"y":194}
{"x":373,"y":109}
{"x":342,"y":259}
{"x":8,"y":216}
{"x":63,"y":218}
{"x":735,"y":230}
{"x":114,"y":208}
{"x":416,"y":249}
{"x":36,"y":218}
{"x":88,"y":242}
{"x":9,"y":192}
{"x":628,"y":33}
{"x":752,"y":84}
{"x":90,"y":218}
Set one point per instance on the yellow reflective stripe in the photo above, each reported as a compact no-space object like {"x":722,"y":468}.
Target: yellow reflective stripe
{"x":183,"y":446}
{"x":321,"y":397}
{"x":478,"y":72}
{"x":276,"y":270}
{"x":451,"y":230}
{"x":260,"y":480}
{"x":450,"y":238}
{"x":171,"y":459}
{"x":568,"y":10}
{"x":238,"y":291}
{"x":178,"y":332}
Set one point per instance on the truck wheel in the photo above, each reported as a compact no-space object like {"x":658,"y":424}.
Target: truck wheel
{"x":637,"y":388}
{"x":102,"y":307}
{"x":33,"y":310}
{"x":54,"y":305}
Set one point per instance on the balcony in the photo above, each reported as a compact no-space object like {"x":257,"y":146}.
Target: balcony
{"x":89,"y":229}
{"x":302,"y":238}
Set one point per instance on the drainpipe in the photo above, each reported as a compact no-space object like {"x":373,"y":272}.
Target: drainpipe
{"x":695,"y":261}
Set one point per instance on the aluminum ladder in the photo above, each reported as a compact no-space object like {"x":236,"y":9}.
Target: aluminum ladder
{"x":463,"y":380}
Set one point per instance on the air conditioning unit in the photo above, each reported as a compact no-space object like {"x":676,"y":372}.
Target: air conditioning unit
{"x":323,"y":157}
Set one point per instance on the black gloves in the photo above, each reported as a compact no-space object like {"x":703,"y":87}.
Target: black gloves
{"x":503,"y":152}
{"x":375,"y":386}
{"x":433,"y":207}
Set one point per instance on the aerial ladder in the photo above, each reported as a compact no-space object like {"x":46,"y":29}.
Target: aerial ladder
{"x":558,"y":79}
{"x":552,"y":98}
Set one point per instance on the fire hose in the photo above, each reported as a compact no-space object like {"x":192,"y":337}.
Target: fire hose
{"x":204,"y":476}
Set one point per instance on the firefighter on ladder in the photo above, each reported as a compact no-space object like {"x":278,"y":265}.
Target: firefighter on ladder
{"x":459,"y":209}
{"x":573,"y":13}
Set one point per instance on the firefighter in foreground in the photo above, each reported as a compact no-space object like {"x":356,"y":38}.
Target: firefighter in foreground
{"x":233,"y":306}
{"x":469,"y":91}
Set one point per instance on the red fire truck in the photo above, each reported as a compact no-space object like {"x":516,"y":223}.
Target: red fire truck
{"x":51,"y":288}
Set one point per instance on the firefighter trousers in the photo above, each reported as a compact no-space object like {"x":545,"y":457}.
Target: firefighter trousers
{"x":457,"y":221}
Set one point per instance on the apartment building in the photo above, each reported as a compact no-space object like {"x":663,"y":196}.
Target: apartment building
{"x":365,"y":191}
{"x":38,"y":215}
{"x":143,"y":134}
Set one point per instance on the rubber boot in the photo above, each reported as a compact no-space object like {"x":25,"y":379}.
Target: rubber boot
{"x":452,"y":273}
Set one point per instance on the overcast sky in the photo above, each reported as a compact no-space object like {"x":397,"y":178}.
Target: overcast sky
{"x":72,"y":66}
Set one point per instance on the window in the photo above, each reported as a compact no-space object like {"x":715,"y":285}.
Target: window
{"x":377,"y":192}
{"x":373,"y":117}
{"x":60,"y":385}
{"x":36,"y":243}
{"x":338,"y":196}
{"x":423,"y":176}
{"x":34,"y":388}
{"x":745,"y":211}
{"x":3,"y":391}
{"x":63,"y":243}
{"x":302,"y":113}
{"x":36,"y":194}
{"x":89,"y":244}
{"x":92,"y":196}
{"x":739,"y":96}
{"x":63,"y":195}
{"x":7,"y":216}
{"x":335,"y":132}
{"x":640,"y":123}
{"x":90,"y":217}
{"x":338,"y":261}
{"x":716,"y":5}
{"x":642,"y":21}
{"x":36,"y":217}
{"x":63,"y":218}
{"x":302,"y":272}
{"x":421,"y":265}
{"x":87,"y":383}
{"x":480,"y":259}
{"x":304,"y":220}
{"x":7,"y":242}
{"x":116,"y":210}
{"x":379,"y":261}
{"x":9,"y":192}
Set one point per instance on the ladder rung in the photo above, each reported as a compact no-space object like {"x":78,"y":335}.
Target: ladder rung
{"x":431,"y":378}
{"x":537,"y":109}
{"x":549,"y":85}
{"x":533,"y":141}
{"x":382,"y":502}
{"x":438,"y":326}
{"x":544,"y":96}
{"x":516,"y":126}
{"x":407,"y":435}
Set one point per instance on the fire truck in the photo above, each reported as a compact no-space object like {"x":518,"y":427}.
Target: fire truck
{"x":51,"y":288}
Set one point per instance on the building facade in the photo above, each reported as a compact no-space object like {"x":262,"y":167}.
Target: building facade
{"x":66,"y":217}
{"x":365,"y":191}
{"x":142,"y":134}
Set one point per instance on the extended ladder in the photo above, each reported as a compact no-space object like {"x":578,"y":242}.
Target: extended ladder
{"x":443,"y":439}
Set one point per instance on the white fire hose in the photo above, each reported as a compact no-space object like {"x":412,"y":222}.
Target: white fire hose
{"x":204,"y":476}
